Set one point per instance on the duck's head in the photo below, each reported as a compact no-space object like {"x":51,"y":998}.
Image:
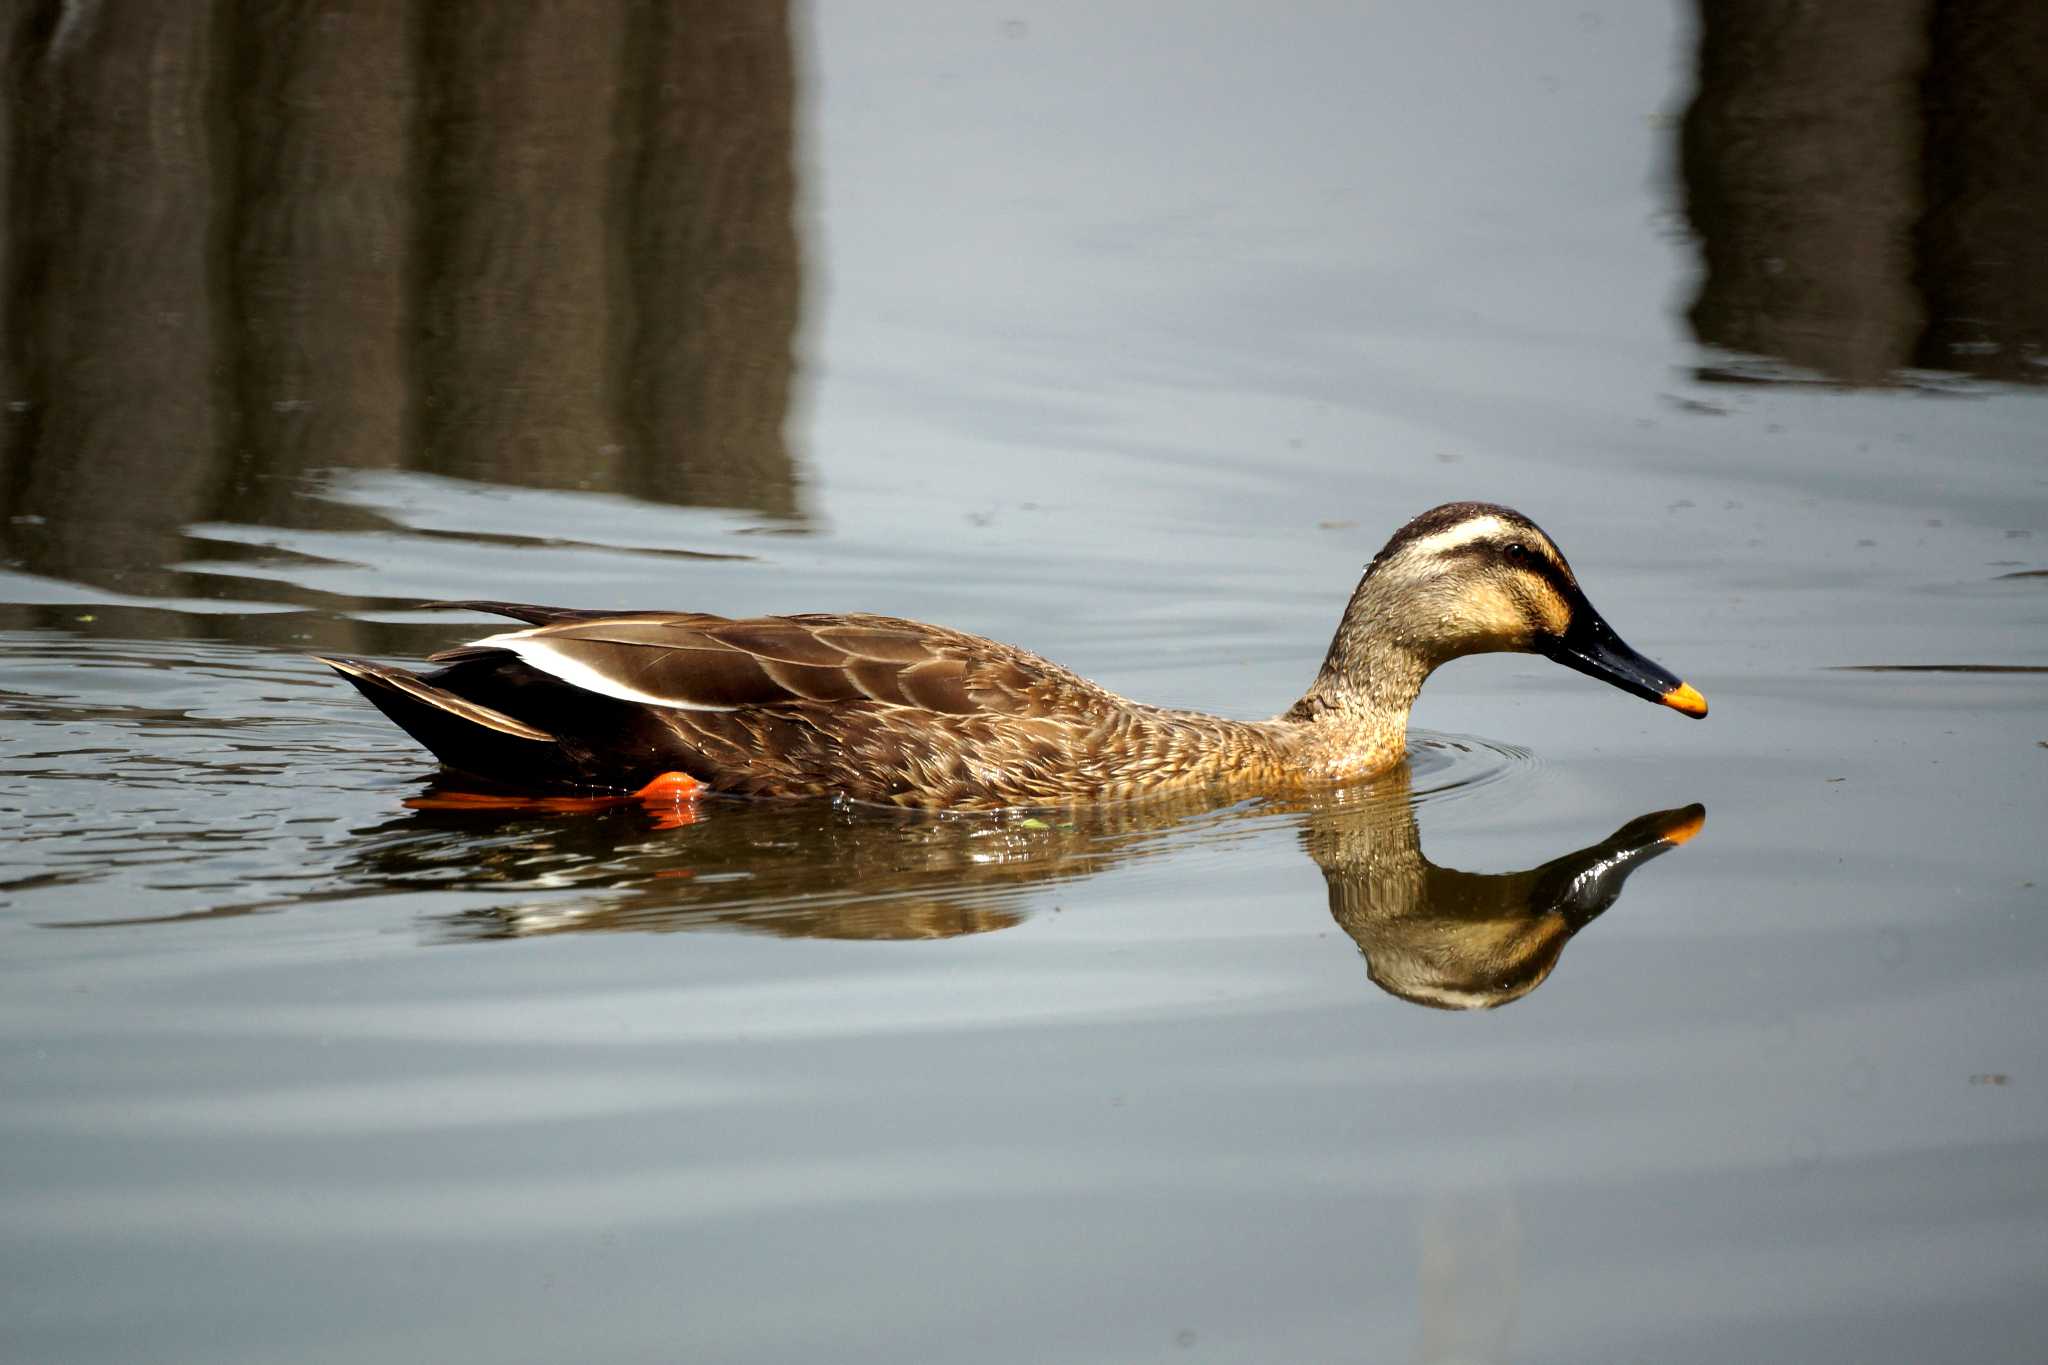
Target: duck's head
{"x":1473,"y":577}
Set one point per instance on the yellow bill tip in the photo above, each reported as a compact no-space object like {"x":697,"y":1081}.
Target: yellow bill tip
{"x":1685,"y":829}
{"x":1685,"y":697}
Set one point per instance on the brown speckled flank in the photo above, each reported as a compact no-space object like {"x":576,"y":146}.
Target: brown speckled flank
{"x":879,"y":709}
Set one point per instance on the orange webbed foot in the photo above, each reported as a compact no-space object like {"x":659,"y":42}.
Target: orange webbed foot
{"x":677,"y":786}
{"x":671,"y":799}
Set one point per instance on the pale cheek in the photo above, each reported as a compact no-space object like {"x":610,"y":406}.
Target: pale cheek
{"x":1493,"y":625}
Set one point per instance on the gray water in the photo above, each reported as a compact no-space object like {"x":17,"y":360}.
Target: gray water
{"x":1127,"y":336}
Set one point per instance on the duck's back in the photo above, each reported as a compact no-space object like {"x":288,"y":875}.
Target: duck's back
{"x":873,"y":708}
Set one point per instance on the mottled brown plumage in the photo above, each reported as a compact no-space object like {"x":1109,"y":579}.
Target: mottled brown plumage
{"x":880,"y":709}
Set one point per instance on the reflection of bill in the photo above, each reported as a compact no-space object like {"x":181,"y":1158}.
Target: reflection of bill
{"x":1431,"y":935}
{"x":1466,"y":940}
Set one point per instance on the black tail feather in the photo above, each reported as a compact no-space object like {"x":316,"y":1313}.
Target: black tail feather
{"x":463,"y":734}
{"x":519,"y":611}
{"x":492,"y":716}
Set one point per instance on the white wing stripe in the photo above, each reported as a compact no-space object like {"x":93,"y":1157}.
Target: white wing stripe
{"x":544,"y":656}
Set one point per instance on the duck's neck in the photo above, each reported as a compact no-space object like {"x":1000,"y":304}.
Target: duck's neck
{"x":1353,"y":720}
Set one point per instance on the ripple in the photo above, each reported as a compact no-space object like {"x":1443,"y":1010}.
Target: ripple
{"x":1446,"y":767}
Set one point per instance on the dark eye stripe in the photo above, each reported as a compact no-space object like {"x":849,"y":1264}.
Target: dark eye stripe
{"x":1533,"y":561}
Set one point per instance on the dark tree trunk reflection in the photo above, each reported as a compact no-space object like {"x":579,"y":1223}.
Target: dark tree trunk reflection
{"x":1984,"y":243}
{"x":710,"y":190}
{"x":517,"y":239}
{"x":549,"y":244}
{"x":117,"y":325}
{"x":323,"y":247}
{"x":1867,"y":179}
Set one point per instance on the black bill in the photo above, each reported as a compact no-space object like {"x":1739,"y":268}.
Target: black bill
{"x":1591,"y":646}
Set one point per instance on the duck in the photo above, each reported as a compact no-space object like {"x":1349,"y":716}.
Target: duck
{"x":895,"y":712}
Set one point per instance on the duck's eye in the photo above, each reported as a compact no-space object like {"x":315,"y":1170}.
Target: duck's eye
{"x":1517,"y":550}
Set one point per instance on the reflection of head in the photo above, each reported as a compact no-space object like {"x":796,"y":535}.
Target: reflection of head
{"x":1460,"y":940}
{"x":1451,"y":965}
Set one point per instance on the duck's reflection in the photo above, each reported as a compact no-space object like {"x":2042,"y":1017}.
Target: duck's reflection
{"x":1432,"y":935}
{"x":1467,"y":940}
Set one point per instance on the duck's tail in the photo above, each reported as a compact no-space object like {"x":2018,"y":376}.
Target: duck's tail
{"x":461,"y":733}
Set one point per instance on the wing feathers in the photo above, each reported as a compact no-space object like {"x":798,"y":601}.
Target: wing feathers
{"x":883,"y":645}
{"x":656,"y":632}
{"x":939,"y":685}
{"x":694,"y":662}
{"x":812,"y":684}
{"x":707,"y":678}
{"x":519,"y":611}
{"x":879,"y":682}
{"x":462,"y":652}
{"x":781,"y":641}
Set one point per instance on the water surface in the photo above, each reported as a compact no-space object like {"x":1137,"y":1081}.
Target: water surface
{"x":1127,"y":340}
